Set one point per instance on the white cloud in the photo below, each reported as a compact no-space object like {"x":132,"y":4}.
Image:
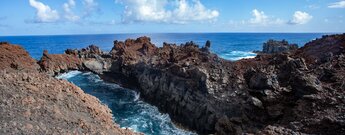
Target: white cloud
{"x":90,"y":7}
{"x":164,"y":11}
{"x":69,"y":15}
{"x":44,"y":13}
{"x":313,"y":6}
{"x":340,"y":4}
{"x":90,"y":3}
{"x":300,"y":17}
{"x":260,"y":18}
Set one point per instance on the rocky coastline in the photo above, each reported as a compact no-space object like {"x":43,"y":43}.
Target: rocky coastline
{"x":32,"y":102}
{"x":299,"y":92}
{"x":275,"y":93}
{"x":274,"y":46}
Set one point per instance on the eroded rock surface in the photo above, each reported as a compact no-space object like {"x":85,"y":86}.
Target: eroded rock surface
{"x":281,"y":93}
{"x":13,"y":57}
{"x":90,"y":58}
{"x":273,"y":46}
{"x":35,"y":103}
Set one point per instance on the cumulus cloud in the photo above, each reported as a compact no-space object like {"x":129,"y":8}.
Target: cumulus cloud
{"x":260,"y":18}
{"x":90,"y":7}
{"x":300,"y":17}
{"x":44,"y":14}
{"x":340,"y":4}
{"x":69,"y":15}
{"x":164,"y":11}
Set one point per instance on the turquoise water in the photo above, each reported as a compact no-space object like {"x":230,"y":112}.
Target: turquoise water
{"x":231,"y":46}
{"x":127,"y":107}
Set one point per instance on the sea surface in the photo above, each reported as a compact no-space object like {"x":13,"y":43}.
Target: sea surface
{"x":128,"y":109}
{"x":231,"y":46}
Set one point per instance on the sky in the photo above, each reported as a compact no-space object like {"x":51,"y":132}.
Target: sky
{"x":59,"y":17}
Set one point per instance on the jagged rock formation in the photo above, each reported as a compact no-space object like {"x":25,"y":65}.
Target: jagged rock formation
{"x":279,"y":93}
{"x":90,"y":58}
{"x":273,"y":46}
{"x":35,"y":103}
{"x":323,"y":50}
{"x":16,"y":58}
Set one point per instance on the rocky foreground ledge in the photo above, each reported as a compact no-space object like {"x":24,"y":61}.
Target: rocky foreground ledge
{"x":35,"y":103}
{"x":295,"y":92}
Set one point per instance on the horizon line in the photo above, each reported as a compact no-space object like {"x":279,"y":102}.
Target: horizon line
{"x":174,"y":33}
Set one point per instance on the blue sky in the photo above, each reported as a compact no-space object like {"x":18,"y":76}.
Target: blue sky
{"x":55,"y":17}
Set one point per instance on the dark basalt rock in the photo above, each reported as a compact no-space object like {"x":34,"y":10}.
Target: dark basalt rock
{"x":273,"y":46}
{"x":4,"y":43}
{"x":282,"y":93}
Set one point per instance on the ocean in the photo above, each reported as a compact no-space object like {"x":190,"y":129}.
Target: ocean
{"x":127,"y":107}
{"x":231,"y":46}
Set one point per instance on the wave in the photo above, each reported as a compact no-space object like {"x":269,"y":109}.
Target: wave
{"x":68,"y":75}
{"x":129,"y":111}
{"x":136,"y":96}
{"x":160,"y":121}
{"x":237,"y":55}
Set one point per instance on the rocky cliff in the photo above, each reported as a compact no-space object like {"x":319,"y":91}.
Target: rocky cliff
{"x":35,"y":103}
{"x":280,"y":93}
{"x":274,"y":46}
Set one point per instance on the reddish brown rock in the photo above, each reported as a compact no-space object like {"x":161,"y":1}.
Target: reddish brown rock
{"x":14,"y":57}
{"x":284,"y":93}
{"x":88,"y":59}
{"x":35,"y":103}
{"x":321,"y":50}
{"x":58,"y":63}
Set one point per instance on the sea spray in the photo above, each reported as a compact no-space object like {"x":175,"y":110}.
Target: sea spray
{"x":127,"y":108}
{"x":237,"y":55}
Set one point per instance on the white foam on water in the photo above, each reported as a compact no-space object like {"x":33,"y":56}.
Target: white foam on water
{"x":237,"y":55}
{"x":136,"y":96}
{"x":112,"y":85}
{"x":146,"y":118}
{"x":246,"y":57}
{"x":68,"y":75}
{"x":163,"y":119}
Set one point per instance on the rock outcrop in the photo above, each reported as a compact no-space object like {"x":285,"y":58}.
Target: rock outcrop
{"x":273,"y":46}
{"x":90,"y":58}
{"x":35,"y":103}
{"x":323,"y":50}
{"x":14,"y":57}
{"x":279,"y":93}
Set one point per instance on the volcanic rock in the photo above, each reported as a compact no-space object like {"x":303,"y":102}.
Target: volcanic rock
{"x":273,"y":46}
{"x":35,"y":103}
{"x":280,"y":93}
{"x":89,"y":59}
{"x":14,"y":57}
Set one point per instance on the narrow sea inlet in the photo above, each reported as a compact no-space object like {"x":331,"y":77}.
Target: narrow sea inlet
{"x":127,"y":108}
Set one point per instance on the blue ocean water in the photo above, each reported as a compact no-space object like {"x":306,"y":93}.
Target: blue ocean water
{"x":128,"y":109}
{"x":231,"y":46}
